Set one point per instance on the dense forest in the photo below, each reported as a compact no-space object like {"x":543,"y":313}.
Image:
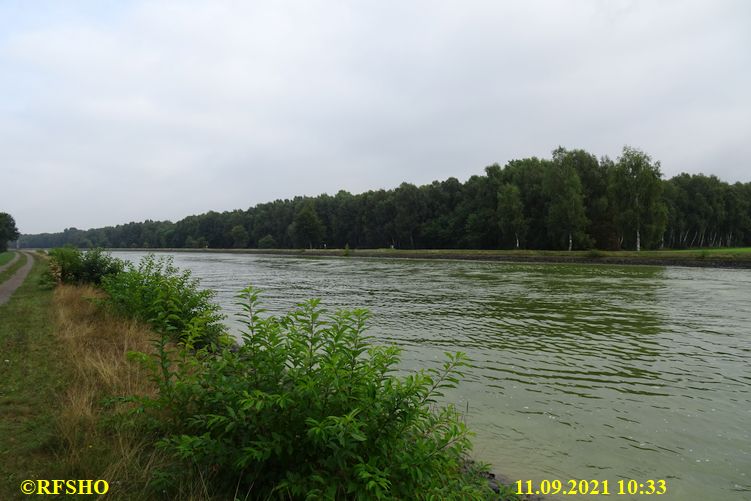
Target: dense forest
{"x":570,"y":201}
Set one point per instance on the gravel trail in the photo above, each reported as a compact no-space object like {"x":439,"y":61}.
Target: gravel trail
{"x":8,"y":287}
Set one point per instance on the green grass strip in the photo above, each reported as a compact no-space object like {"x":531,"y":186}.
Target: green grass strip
{"x":32,"y":376}
{"x":739,"y":254}
{"x":5,"y":275}
{"x":5,"y":257}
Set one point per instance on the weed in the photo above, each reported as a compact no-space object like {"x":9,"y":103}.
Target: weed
{"x":69,"y":265}
{"x":307,"y":408}
{"x":170,"y":300}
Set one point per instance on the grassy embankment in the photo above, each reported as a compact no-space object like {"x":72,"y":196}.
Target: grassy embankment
{"x":5,"y":257}
{"x":64,"y":356}
{"x":739,"y":257}
{"x":30,"y":372}
{"x":60,"y":356}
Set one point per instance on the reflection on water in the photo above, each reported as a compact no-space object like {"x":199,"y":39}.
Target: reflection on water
{"x":579,"y":372}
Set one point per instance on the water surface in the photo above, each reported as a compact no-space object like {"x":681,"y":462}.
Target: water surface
{"x":580,"y":371}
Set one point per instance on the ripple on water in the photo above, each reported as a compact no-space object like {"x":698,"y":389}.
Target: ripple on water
{"x":605,"y":372}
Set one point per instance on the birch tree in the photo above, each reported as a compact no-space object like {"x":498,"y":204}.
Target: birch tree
{"x":637,"y":188}
{"x":566,"y":219}
{"x":511,"y":214}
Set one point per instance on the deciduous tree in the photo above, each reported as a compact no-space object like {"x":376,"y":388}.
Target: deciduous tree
{"x":239,"y":237}
{"x":8,"y":230}
{"x":511,"y":219}
{"x":307,"y":228}
{"x":637,"y":188}
{"x":566,"y":220}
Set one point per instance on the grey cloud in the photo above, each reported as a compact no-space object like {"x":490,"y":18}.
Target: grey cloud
{"x":165,"y":109}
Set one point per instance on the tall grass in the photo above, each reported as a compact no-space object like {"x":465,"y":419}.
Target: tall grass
{"x":95,"y":344}
{"x":5,"y":256}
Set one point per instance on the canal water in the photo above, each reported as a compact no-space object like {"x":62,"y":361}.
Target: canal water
{"x":579,"y":371}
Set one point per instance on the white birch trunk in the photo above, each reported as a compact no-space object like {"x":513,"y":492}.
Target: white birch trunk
{"x":638,"y":240}
{"x":638,"y":224}
{"x":570,"y":242}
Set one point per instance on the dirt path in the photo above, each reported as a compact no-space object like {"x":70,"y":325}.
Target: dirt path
{"x":16,"y":257}
{"x":8,"y":287}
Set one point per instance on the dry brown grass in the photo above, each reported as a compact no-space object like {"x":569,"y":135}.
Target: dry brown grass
{"x":93,"y":442}
{"x":96,"y":344}
{"x":100,"y":342}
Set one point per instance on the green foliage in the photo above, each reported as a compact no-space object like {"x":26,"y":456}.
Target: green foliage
{"x":595,"y":254}
{"x":594,"y":176}
{"x":307,"y":230}
{"x":5,"y":257}
{"x":410,"y":209}
{"x":704,"y":211}
{"x":170,"y":300}
{"x":528,"y":176}
{"x":240,"y":237}
{"x":72,"y":266}
{"x":571,"y":197}
{"x":511,"y":214}
{"x":306,"y":408}
{"x":637,"y":193}
{"x":267,"y":242}
{"x":566,"y":218}
{"x":8,"y":230}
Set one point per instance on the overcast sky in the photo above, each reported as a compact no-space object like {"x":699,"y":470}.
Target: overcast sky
{"x":115,"y":111}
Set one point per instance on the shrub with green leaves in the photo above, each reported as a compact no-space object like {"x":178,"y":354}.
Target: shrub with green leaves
{"x":69,"y":265}
{"x":170,"y":300}
{"x":307,"y":408}
{"x":267,"y":242}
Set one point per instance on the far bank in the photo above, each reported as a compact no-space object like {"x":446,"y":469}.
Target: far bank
{"x":704,"y":258}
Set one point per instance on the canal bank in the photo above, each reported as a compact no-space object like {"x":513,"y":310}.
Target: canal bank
{"x":715,"y":258}
{"x":578,"y":372}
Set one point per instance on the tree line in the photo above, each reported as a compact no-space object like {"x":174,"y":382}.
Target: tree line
{"x":8,"y":230}
{"x":572,"y":200}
